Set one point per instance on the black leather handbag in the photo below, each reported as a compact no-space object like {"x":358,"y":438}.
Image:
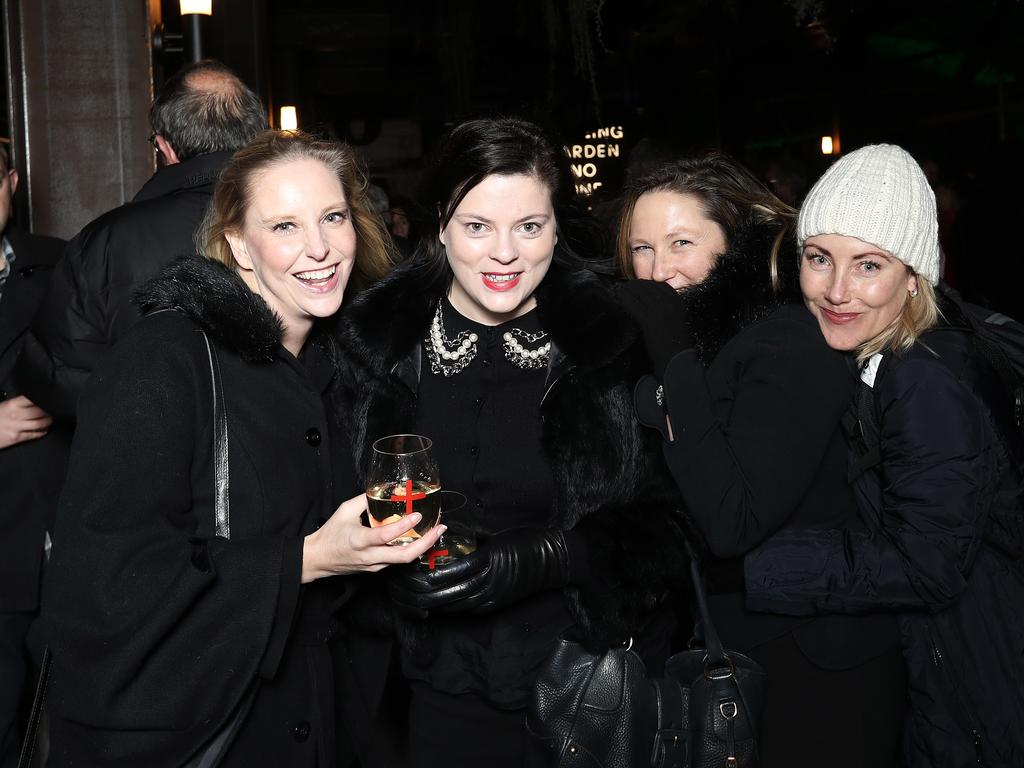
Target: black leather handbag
{"x":601,"y":710}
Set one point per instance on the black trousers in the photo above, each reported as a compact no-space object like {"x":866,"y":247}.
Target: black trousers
{"x":465,"y":730}
{"x":851,"y":718}
{"x":15,"y":668}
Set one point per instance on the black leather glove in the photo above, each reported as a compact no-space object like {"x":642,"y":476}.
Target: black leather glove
{"x":661,"y":315}
{"x":505,"y":567}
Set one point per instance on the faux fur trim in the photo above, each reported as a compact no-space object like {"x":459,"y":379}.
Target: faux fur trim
{"x":586,"y":323}
{"x":384,"y":322}
{"x":576,"y":308}
{"x":217,"y":300}
{"x":738,"y":291}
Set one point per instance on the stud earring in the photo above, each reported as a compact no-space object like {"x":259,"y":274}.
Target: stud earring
{"x":913,"y":293}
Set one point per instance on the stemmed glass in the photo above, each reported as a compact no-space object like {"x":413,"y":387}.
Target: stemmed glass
{"x":403,"y":478}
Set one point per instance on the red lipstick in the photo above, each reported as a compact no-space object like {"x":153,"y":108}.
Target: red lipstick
{"x":504,"y":283}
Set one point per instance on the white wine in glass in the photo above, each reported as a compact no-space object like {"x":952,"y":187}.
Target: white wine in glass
{"x":403,"y":478}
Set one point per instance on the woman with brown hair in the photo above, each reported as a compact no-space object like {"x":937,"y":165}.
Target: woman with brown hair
{"x":749,"y":400}
{"x":177,"y":641}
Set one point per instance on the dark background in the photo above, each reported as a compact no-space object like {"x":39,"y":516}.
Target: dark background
{"x":761,"y":79}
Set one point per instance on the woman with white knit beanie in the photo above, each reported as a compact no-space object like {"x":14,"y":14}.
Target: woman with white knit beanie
{"x":941,"y":495}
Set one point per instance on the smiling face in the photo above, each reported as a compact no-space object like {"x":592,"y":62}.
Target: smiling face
{"x":853,"y":288}
{"x":672,"y":240}
{"x":297,"y":246}
{"x":500,"y":242}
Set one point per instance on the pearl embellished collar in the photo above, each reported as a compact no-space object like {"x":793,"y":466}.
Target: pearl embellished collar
{"x":449,"y":356}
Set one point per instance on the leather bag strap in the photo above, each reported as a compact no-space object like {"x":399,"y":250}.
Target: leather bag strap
{"x":28,"y":746}
{"x":222,"y":508}
{"x":705,"y":631}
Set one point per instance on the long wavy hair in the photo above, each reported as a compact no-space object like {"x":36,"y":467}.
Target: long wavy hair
{"x":728,"y":193}
{"x":375,"y":251}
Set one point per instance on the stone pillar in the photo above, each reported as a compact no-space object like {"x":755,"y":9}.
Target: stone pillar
{"x":80,"y":84}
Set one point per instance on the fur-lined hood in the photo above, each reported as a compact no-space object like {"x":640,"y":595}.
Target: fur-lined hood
{"x":738,"y":291}
{"x":216,"y":299}
{"x":576,"y":308}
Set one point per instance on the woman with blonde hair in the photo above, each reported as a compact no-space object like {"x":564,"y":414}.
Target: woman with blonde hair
{"x":939,"y":486}
{"x":749,"y":400}
{"x":193,"y":591}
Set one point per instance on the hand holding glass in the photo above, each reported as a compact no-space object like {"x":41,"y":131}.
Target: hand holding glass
{"x":403,"y":478}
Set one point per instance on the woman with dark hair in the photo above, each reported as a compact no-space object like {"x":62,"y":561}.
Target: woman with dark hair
{"x":494,"y":342}
{"x":178,"y":642}
{"x":749,"y":401}
{"x":938,"y":481}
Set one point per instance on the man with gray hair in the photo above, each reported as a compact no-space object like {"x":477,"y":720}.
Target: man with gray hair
{"x":200,"y":117}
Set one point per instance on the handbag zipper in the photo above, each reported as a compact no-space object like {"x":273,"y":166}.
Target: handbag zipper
{"x":729,"y":710}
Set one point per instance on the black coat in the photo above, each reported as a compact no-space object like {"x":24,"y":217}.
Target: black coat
{"x":610,"y":484}
{"x":756,"y":408}
{"x":941,"y":546}
{"x":30,"y":473}
{"x":89,"y":304}
{"x":156,"y":626}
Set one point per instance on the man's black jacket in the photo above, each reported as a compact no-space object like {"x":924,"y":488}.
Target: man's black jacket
{"x":30,"y":473}
{"x":88,"y":306}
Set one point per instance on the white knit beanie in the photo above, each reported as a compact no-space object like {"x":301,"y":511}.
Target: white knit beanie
{"x":880,"y":195}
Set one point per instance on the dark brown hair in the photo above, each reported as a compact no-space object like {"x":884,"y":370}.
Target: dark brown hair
{"x":729,"y":195}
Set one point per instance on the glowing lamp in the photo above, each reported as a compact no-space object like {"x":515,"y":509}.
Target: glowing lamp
{"x":826,"y":145}
{"x":289,"y":119}
{"x":205,"y":7}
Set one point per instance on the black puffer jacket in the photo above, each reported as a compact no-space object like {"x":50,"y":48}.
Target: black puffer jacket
{"x":942,"y":547}
{"x":89,"y":304}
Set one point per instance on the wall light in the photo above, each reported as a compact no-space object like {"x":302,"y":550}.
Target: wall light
{"x":826,"y":145}
{"x":205,"y":7}
{"x":190,"y":40}
{"x":193,"y":14}
{"x":289,"y":119}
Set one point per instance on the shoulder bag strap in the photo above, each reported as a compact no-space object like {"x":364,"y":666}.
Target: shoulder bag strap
{"x":221,"y":509}
{"x":222,"y":527}
{"x":28,"y":746}
{"x":704,"y":631}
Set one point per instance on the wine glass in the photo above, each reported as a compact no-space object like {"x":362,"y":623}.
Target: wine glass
{"x":460,"y":538}
{"x":403,"y":478}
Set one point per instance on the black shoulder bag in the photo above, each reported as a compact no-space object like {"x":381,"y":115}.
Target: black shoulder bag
{"x":601,"y":710}
{"x":211,"y":753}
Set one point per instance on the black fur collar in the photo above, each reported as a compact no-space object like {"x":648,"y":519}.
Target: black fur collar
{"x":386,"y":322}
{"x":215,"y":297}
{"x":738,"y":291}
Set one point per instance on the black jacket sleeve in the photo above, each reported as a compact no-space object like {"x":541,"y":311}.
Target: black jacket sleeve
{"x":623,"y":511}
{"x":154,"y":624}
{"x":936,"y":482}
{"x":69,"y":333}
{"x":744,"y":458}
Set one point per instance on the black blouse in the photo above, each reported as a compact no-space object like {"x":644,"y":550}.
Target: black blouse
{"x":485,"y":424}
